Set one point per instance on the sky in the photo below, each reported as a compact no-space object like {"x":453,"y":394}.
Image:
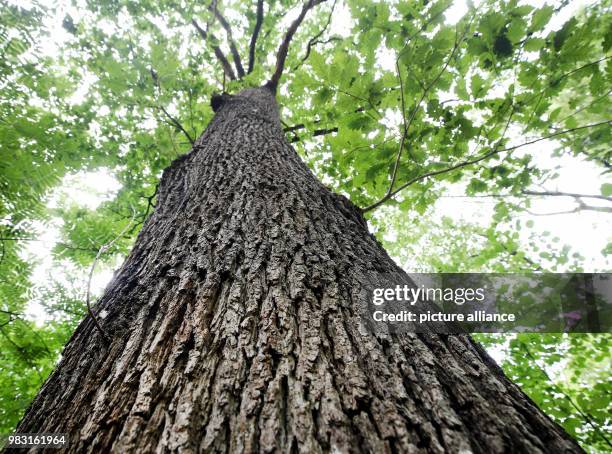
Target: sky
{"x":586,"y":232}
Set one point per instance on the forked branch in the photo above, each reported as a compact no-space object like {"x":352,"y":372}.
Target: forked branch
{"x":174,"y":122}
{"x":315,"y":39}
{"x":283,"y":49}
{"x":232,"y":44}
{"x":408,"y":122}
{"x":227,"y":68}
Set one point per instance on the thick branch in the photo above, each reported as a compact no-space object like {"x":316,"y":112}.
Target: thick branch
{"x":256,"y":30}
{"x":475,"y":161}
{"x":283,"y":49}
{"x":296,"y":127}
{"x":228,"y":30}
{"x":227,"y":68}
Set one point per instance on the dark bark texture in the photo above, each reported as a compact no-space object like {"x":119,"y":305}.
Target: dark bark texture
{"x":233,"y":327}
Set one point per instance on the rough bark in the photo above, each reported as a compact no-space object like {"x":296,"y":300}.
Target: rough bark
{"x":234,"y":328}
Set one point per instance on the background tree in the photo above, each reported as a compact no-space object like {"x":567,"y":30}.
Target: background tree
{"x":436,"y":118}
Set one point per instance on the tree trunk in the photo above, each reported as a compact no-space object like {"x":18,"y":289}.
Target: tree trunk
{"x":233,"y":327}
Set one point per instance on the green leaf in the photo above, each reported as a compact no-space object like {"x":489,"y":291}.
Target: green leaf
{"x":534,"y":44}
{"x":476,"y":186}
{"x":541,"y":17}
{"x":516,"y":30}
{"x":478,"y":85}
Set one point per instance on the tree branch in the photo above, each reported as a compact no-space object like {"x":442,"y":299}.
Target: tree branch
{"x":176,"y":124}
{"x":150,"y":205}
{"x":315,"y":133}
{"x":404,"y":129}
{"x":532,"y":193}
{"x":555,"y":81}
{"x":567,"y":194}
{"x":513,"y":252}
{"x":256,"y":30}
{"x":173,"y":121}
{"x":362,"y":109}
{"x":228,"y":30}
{"x":567,"y":397}
{"x":581,"y":207}
{"x":227,"y":68}
{"x":3,"y":252}
{"x":283,"y":49}
{"x":426,"y":90}
{"x":296,"y":127}
{"x":314,"y":40}
{"x":475,"y":161}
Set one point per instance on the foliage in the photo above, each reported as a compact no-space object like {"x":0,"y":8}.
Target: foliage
{"x":423,"y":106}
{"x":579,"y":397}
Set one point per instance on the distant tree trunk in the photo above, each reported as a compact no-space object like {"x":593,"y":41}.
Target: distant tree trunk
{"x":233,"y":327}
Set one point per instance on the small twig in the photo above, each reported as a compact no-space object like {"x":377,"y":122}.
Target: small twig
{"x":581,"y":207}
{"x":24,"y":354}
{"x":362,"y":109}
{"x":513,"y":252}
{"x":422,"y":28}
{"x":102,"y":250}
{"x":560,"y":78}
{"x":596,"y":100}
{"x":16,"y":314}
{"x":173,"y":121}
{"x":404,"y":129}
{"x":64,"y":245}
{"x":177,"y":124}
{"x":567,"y":194}
{"x":292,"y":129}
{"x":150,"y":205}
{"x":3,"y":252}
{"x":256,"y":30}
